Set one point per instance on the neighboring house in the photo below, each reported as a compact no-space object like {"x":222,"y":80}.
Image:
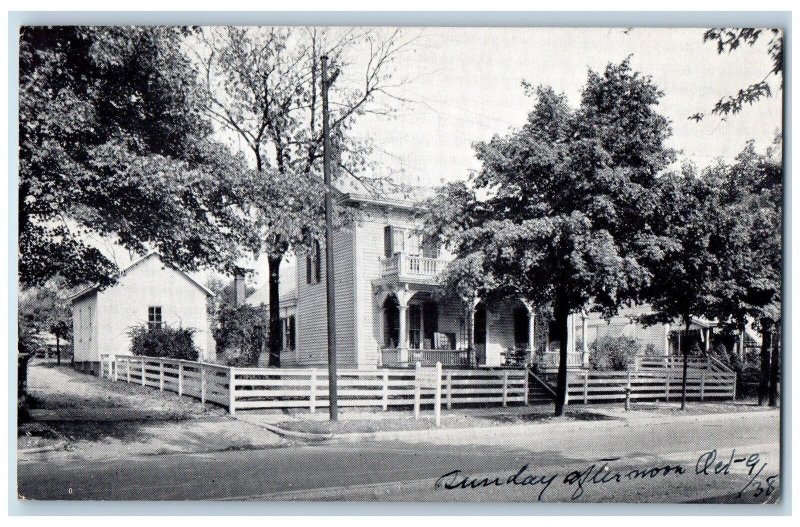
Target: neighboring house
{"x":388,"y":312}
{"x":149,"y":291}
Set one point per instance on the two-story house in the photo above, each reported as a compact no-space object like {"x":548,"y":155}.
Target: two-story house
{"x":387,"y":309}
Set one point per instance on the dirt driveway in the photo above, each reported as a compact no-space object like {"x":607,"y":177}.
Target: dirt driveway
{"x":85,"y":417}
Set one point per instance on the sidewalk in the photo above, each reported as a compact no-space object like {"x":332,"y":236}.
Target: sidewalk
{"x":81,"y":417}
{"x":484,"y":424}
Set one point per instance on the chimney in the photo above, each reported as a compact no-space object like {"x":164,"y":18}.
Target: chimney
{"x":238,"y":285}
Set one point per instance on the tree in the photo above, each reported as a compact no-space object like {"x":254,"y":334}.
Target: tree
{"x":569,"y":195}
{"x":263,"y":85}
{"x":44,"y":309}
{"x":730,"y":39}
{"x":681,"y":259}
{"x":114,"y":145}
{"x":748,"y":248}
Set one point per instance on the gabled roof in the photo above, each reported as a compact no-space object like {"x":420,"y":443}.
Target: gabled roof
{"x":94,"y":288}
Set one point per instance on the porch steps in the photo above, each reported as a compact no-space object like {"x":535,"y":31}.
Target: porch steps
{"x":539,"y":391}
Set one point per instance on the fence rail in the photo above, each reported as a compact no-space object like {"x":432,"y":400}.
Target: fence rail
{"x":609,"y":386}
{"x":262,"y":388}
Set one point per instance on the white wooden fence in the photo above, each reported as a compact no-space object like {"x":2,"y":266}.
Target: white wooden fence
{"x":654,"y":378}
{"x":261,"y":388}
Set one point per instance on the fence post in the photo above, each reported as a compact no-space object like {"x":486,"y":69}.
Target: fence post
{"x":505,"y":387}
{"x":526,"y":388}
{"x":702,"y":385}
{"x":202,"y":384}
{"x":417,"y":390}
{"x":232,"y":390}
{"x":161,"y":375}
{"x":312,"y":396}
{"x":735,"y":381}
{"x":437,"y":398}
{"x":142,"y":359}
{"x":668,"y":376}
{"x":449,"y":390}
{"x":385,"y":390}
{"x":585,"y":387}
{"x":115,"y":369}
{"x":180,"y":378}
{"x":128,"y":370}
{"x":628,"y":391}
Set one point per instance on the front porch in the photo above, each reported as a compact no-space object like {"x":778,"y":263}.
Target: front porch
{"x":415,"y":326}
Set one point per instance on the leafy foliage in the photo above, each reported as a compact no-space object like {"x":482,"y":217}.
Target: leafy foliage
{"x":569,"y":201}
{"x":613,"y":353}
{"x":239,"y":333}
{"x":163,"y":341}
{"x":264,"y":85}
{"x":730,"y":39}
{"x":113,"y":144}
{"x":44,"y":309}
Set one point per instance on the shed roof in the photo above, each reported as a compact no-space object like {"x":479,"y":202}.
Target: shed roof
{"x":96,"y":287}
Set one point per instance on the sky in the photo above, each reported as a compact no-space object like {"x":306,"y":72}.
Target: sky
{"x":467,"y":87}
{"x":464,"y":85}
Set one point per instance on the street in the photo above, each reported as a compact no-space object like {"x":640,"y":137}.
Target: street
{"x":405,"y":471}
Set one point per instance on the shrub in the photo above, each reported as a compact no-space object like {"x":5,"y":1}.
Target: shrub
{"x":165,"y":341}
{"x":613,"y":353}
{"x":239,"y":334}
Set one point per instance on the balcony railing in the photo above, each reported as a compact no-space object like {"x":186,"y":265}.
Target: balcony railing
{"x":407,"y":266}
{"x":393,"y":357}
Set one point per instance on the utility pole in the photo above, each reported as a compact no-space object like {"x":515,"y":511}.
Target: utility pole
{"x":333,"y":403}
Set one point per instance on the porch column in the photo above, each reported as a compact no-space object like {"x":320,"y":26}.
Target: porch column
{"x":666,"y":339}
{"x":571,"y":333}
{"x":585,"y":338}
{"x":402,"y":302}
{"x":531,"y":332}
{"x":469,"y":316}
{"x":708,"y":339}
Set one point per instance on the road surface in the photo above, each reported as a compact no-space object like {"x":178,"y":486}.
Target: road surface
{"x":644,"y":456}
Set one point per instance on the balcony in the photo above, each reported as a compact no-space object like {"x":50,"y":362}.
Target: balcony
{"x":408,"y":268}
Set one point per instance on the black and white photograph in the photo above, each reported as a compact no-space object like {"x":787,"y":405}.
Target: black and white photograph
{"x":412,"y":263}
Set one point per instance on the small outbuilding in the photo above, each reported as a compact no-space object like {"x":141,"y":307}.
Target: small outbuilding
{"x":149,"y":291}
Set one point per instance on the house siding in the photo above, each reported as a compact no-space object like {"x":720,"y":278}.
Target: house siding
{"x":312,"y":325}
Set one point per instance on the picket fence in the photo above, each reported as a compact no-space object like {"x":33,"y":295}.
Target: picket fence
{"x":266,"y":388}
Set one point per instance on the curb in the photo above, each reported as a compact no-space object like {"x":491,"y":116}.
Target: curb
{"x":306,"y":436}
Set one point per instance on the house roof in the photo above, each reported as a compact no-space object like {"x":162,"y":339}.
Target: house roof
{"x":94,"y":288}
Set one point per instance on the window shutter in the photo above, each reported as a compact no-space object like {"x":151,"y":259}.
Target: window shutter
{"x":388,"y":244}
{"x":317,"y":262}
{"x":399,"y":239}
{"x":308,"y":266}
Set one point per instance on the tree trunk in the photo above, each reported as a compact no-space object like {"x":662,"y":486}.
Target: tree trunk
{"x":273,"y":337}
{"x":58,"y":350}
{"x":766,"y":340}
{"x":687,"y":321}
{"x":561,"y":314}
{"x":774,"y":370}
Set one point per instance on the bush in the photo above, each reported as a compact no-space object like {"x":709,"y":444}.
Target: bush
{"x":165,"y":341}
{"x":239,"y":334}
{"x":613,"y":353}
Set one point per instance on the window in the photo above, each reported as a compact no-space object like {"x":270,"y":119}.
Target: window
{"x":288,"y":333}
{"x":393,"y":240}
{"x":430,"y":247}
{"x":154,"y":319}
{"x":314,"y":263}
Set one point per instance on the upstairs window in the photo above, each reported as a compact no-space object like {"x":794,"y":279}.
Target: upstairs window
{"x":154,"y":319}
{"x":394,"y":239}
{"x":314,"y":264}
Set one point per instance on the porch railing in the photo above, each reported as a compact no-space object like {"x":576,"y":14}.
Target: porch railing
{"x":549,"y":360}
{"x":394,"y":357}
{"x":406,"y":265}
